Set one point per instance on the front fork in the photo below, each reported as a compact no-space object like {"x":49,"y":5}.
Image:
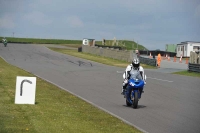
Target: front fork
{"x":130,"y":95}
{"x":135,"y":91}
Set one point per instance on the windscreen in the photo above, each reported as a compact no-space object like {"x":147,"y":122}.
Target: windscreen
{"x":134,"y":74}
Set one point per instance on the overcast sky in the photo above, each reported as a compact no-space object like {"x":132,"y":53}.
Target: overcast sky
{"x":152,"y":23}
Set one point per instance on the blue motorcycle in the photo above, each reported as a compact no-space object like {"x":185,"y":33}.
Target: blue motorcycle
{"x":134,"y":88}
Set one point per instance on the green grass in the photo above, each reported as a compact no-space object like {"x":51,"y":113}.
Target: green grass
{"x":41,"y":41}
{"x":129,"y":45}
{"x":103,"y":60}
{"x":188,"y":73}
{"x":55,"y":111}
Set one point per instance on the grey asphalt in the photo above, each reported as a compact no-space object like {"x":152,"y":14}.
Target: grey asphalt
{"x":169,"y":66}
{"x":170,"y":103}
{"x":57,"y":46}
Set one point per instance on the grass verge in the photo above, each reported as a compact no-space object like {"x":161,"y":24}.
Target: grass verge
{"x":129,"y":45}
{"x":41,"y":41}
{"x":55,"y":111}
{"x":103,"y":60}
{"x":188,"y":73}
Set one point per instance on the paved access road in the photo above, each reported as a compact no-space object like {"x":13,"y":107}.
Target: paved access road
{"x":170,"y":103}
{"x":169,"y":66}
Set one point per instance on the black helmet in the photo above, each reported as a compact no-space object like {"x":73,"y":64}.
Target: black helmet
{"x":136,"y":63}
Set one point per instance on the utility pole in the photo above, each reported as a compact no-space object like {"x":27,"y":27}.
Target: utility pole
{"x":137,"y":45}
{"x":13,"y":34}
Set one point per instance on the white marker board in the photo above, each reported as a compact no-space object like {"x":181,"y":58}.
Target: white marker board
{"x":25,"y":90}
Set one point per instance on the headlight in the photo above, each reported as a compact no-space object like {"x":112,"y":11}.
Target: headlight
{"x":131,"y":84}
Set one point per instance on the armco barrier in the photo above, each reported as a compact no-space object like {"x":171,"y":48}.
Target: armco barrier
{"x":79,"y":49}
{"x":155,"y":52}
{"x":115,"y":47}
{"x":194,"y":67}
{"x":148,"y":61}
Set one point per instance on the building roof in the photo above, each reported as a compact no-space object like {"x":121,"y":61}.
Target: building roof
{"x":198,"y":44}
{"x":190,"y":42}
{"x":182,"y":43}
{"x":89,"y":38}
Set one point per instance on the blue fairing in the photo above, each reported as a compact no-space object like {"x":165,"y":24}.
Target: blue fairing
{"x":137,"y":84}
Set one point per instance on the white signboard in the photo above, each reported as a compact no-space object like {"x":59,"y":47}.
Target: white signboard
{"x":25,"y":90}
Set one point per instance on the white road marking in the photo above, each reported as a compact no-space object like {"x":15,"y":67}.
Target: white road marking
{"x":120,"y":71}
{"x":160,"y":79}
{"x":150,"y":77}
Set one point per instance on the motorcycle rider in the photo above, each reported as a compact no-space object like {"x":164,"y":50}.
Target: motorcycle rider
{"x":4,"y":39}
{"x":135,"y":65}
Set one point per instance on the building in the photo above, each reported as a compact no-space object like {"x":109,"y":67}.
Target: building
{"x":90,"y":42}
{"x":184,"y":48}
{"x":170,"y":48}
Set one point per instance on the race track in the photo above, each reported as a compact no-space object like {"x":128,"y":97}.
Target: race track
{"x":170,"y":103}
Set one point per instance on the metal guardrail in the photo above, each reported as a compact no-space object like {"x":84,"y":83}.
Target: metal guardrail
{"x":194,"y":67}
{"x":148,"y":61}
{"x":156,"y":52}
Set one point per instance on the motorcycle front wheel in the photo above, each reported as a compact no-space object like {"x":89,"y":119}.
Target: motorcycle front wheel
{"x":135,"y":101}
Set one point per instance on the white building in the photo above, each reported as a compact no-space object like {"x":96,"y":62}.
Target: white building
{"x":183,"y":49}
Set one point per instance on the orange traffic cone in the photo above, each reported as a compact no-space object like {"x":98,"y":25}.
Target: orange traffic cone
{"x":186,"y":61}
{"x":174,"y":59}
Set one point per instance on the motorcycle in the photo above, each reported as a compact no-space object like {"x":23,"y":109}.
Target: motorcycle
{"x":5,"y":42}
{"x":134,"y":88}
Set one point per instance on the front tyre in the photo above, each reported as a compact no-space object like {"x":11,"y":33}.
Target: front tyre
{"x":135,"y":101}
